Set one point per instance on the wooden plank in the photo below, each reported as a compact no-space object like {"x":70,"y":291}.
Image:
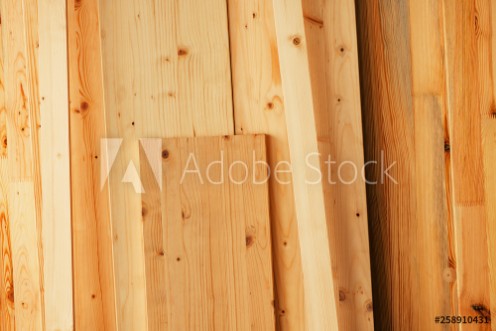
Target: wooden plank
{"x":320,"y":306}
{"x":163,"y":76}
{"x":470,"y":86}
{"x":389,"y":137}
{"x":55,"y":167}
{"x":19,"y":39}
{"x":332,"y":49}
{"x":209,"y":260}
{"x":7,"y":316}
{"x":28,"y":305}
{"x":489,"y":151}
{"x":259,"y":108}
{"x":436,"y":277}
{"x":94,"y":289}
{"x":7,"y":319}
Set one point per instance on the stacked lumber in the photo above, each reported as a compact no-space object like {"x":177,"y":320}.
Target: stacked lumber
{"x":247,"y":165}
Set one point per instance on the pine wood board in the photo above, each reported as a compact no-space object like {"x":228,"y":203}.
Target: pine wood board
{"x":259,"y":108}
{"x":318,"y":285}
{"x":94,"y":287}
{"x":469,"y":28}
{"x":55,"y":165}
{"x":163,"y":77}
{"x":19,"y":41}
{"x":207,"y":243}
{"x":333,"y":56}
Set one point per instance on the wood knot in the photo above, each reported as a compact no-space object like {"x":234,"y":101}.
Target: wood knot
{"x":161,"y":253}
{"x":249,"y":241}
{"x":144,"y":211}
{"x":93,"y":296}
{"x":185,"y":214}
{"x":182,"y":52}
{"x":342,"y":295}
{"x":165,"y":154}
{"x":84,"y":106}
{"x":296,"y":40}
{"x":368,"y":306}
{"x":447,"y":146}
{"x":270,"y":105}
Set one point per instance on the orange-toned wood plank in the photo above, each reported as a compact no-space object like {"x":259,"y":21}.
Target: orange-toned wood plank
{"x":94,"y":289}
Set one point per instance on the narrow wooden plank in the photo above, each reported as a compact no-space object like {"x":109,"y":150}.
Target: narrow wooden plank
{"x":7,"y":313}
{"x":210,"y":261}
{"x":320,"y":305}
{"x":259,"y":108}
{"x":468,"y":30}
{"x":489,"y":150}
{"x":94,"y":289}
{"x":436,"y":277}
{"x":332,"y":49}
{"x":163,"y":76}
{"x":55,"y":167}
{"x":28,"y":305}
{"x":389,"y":138}
{"x":7,"y":316}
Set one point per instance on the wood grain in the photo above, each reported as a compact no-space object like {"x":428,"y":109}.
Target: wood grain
{"x":318,"y":285}
{"x":209,"y":258}
{"x":389,"y":137}
{"x":28,"y":304}
{"x":163,"y":77}
{"x":94,"y":288}
{"x":7,"y":313}
{"x":332,"y":50}
{"x":468,"y":29}
{"x":55,"y":166}
{"x":259,"y":108}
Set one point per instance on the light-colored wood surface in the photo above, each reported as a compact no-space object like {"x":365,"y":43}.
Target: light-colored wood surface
{"x":259,"y":108}
{"x":55,"y":166}
{"x":163,"y":77}
{"x":94,"y":288}
{"x":28,"y":305}
{"x":208,"y":255}
{"x":318,"y":285}
{"x":468,"y":29}
{"x":333,"y":56}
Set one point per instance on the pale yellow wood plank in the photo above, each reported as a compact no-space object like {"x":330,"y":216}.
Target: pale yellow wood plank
{"x":94,"y":289}
{"x":7,"y":317}
{"x":333,"y":55}
{"x":259,"y":108}
{"x":55,"y":167}
{"x":209,"y":260}
{"x":28,"y":305}
{"x":320,"y":306}
{"x":7,"y":313}
{"x":163,"y":76}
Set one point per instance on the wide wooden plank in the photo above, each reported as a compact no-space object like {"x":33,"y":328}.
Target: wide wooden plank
{"x":259,"y":108}
{"x":163,"y":76}
{"x":389,"y":138}
{"x":94,"y":291}
{"x":332,"y":49}
{"x":28,"y":295}
{"x":208,"y":258}
{"x":318,"y":285}
{"x":54,"y":165}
